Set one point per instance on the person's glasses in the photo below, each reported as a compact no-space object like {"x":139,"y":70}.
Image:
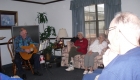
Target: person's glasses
{"x":112,"y":28}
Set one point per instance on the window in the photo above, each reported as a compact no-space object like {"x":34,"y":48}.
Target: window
{"x":94,"y":20}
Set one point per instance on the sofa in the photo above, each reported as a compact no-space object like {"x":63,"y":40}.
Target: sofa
{"x":79,"y":59}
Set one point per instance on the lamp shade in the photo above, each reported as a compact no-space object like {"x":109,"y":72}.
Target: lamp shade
{"x":62,"y":33}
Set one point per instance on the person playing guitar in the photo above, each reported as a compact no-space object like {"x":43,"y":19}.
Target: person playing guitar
{"x":24,"y":40}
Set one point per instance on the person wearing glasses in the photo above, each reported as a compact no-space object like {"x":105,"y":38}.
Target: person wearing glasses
{"x":24,"y":40}
{"x":79,"y":47}
{"x":122,"y":59}
{"x":95,"y":49}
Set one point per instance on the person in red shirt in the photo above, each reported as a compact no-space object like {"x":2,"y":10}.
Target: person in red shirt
{"x":79,"y":47}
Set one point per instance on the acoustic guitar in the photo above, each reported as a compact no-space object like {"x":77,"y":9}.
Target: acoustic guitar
{"x":27,"y":56}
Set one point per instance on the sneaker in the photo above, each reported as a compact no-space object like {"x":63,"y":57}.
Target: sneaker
{"x":90,"y":72}
{"x":70,"y":68}
{"x":85,"y":72}
{"x":71,"y":63}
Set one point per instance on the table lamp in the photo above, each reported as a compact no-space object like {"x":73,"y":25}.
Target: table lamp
{"x":62,"y":34}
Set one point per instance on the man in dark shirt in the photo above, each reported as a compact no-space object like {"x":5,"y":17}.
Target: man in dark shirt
{"x":24,"y":40}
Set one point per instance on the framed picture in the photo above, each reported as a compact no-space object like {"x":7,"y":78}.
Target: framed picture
{"x":8,"y":19}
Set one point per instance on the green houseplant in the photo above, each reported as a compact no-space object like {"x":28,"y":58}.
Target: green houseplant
{"x":45,"y":35}
{"x":42,"y":18}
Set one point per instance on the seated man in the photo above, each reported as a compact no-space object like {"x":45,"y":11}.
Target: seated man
{"x":122,"y":59}
{"x":79,"y":47}
{"x":24,"y":40}
{"x":94,"y":50}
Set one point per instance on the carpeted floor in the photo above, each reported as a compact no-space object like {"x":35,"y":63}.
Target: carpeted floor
{"x":57,"y":73}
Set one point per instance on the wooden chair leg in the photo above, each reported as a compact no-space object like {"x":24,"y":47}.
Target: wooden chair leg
{"x":25,"y":64}
{"x":30,"y":67}
{"x":14,"y":69}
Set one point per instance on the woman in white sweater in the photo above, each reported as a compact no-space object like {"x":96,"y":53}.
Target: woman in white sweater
{"x":94,"y":50}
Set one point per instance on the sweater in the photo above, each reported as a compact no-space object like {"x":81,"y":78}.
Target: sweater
{"x":96,"y":47}
{"x":82,"y":45}
{"x":123,"y":67}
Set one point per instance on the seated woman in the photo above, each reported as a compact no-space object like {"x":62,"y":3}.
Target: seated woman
{"x":94,"y":50}
{"x":79,"y":47}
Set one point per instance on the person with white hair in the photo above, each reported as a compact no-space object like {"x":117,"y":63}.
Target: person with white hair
{"x":79,"y":47}
{"x":94,"y":50}
{"x":122,"y":59}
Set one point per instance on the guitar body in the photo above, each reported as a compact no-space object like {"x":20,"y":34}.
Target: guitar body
{"x":27,"y":56}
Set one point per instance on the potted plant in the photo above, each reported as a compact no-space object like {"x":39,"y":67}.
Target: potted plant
{"x":45,"y":35}
{"x":42,"y":18}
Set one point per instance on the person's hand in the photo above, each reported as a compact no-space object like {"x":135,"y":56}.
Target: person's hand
{"x":27,"y":50}
{"x":90,"y":52}
{"x":72,"y":44}
{"x":75,"y":46}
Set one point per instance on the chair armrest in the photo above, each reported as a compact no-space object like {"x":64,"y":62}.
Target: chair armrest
{"x":103,"y":51}
{"x":68,"y":45}
{"x":99,"y":57}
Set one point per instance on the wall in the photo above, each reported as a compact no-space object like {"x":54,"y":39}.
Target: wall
{"x":27,"y":13}
{"x":131,"y":6}
{"x":60,"y":15}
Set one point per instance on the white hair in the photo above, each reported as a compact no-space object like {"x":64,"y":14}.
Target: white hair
{"x":124,"y":33}
{"x":81,"y":33}
{"x":102,"y":34}
{"x":128,"y":24}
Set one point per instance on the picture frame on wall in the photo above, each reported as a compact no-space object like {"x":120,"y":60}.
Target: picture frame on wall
{"x":8,"y":19}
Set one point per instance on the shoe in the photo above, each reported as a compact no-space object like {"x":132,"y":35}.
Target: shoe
{"x":23,"y":76}
{"x":71,"y":62}
{"x":38,"y":74}
{"x":85,"y":72}
{"x":71,"y":68}
{"x":90,"y":72}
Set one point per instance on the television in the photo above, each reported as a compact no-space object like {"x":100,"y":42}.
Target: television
{"x":32,"y":30}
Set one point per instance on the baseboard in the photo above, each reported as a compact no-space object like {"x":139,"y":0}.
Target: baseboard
{"x":7,"y":65}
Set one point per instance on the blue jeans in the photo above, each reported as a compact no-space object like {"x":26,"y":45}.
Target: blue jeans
{"x":35,"y":58}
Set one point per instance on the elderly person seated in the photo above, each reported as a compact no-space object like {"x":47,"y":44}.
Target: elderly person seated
{"x":94,"y":50}
{"x":122,"y":59}
{"x":79,"y":47}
